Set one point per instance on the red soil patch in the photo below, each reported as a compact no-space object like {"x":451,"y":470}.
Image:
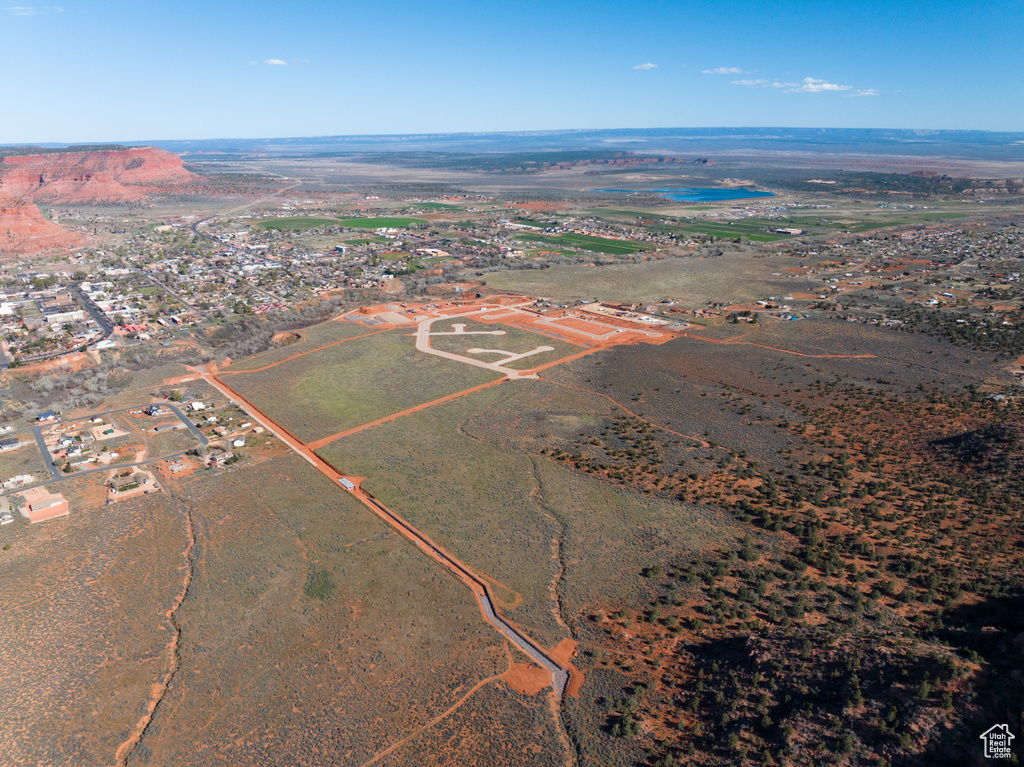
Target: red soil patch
{"x":583,"y":325}
{"x":42,"y":497}
{"x":562,"y":654}
{"x":284,"y":338}
{"x":68,"y":363}
{"x":527,"y":678}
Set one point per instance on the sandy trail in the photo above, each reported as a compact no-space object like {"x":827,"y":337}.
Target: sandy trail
{"x":442,"y":716}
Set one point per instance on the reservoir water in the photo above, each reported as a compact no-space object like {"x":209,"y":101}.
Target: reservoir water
{"x":696,"y":194}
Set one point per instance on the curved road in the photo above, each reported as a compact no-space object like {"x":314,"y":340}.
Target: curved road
{"x":559,"y":673}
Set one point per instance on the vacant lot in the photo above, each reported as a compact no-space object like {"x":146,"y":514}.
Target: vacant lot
{"x":83,"y":629}
{"x":514,"y":341}
{"x":469,"y":477}
{"x":730,"y":278}
{"x":353,"y":383}
{"x":25,"y":460}
{"x":313,"y":634}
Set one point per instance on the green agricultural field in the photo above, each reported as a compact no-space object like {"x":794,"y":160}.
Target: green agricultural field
{"x":366,"y":241}
{"x":435,"y":206}
{"x":515,"y":340}
{"x":353,"y":383}
{"x":586,"y":242}
{"x":388,"y":222}
{"x":296,"y":223}
{"x":313,"y":337}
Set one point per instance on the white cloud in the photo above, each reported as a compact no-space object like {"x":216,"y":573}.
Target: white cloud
{"x":646,"y":66}
{"x":807,"y":85}
{"x":814,"y":85}
{"x":724,"y":71}
{"x":276,"y":62}
{"x":28,"y":10}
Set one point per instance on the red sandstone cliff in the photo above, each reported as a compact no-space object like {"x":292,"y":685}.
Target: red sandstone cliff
{"x":24,"y":230}
{"x":92,"y":176}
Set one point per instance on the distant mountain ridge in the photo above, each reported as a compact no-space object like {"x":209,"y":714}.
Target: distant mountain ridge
{"x":883,"y":141}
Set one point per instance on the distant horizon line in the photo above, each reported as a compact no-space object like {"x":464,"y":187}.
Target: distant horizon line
{"x":922,"y":133}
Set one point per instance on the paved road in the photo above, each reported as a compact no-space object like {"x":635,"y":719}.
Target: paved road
{"x":82,"y":472}
{"x":191,"y":426}
{"x":172,"y":293}
{"x":47,"y":458}
{"x":559,"y":674}
{"x":423,"y":345}
{"x":94,"y":310}
{"x":55,"y":474}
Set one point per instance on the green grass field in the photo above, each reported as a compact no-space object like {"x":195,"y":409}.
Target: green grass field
{"x":353,"y":383}
{"x":515,"y":340}
{"x":435,"y":206}
{"x":388,"y":222}
{"x":296,"y":223}
{"x":586,"y":242}
{"x":366,"y":241}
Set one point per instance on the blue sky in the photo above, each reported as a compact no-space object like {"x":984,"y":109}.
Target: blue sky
{"x":110,"y":71}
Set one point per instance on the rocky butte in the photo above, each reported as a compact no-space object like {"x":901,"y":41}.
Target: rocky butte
{"x":114,"y":175}
{"x":24,"y":230}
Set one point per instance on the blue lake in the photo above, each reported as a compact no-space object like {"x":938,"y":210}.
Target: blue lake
{"x":696,"y":194}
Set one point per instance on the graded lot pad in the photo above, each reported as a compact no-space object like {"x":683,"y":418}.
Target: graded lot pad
{"x":353,"y":383}
{"x":513,"y":340}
